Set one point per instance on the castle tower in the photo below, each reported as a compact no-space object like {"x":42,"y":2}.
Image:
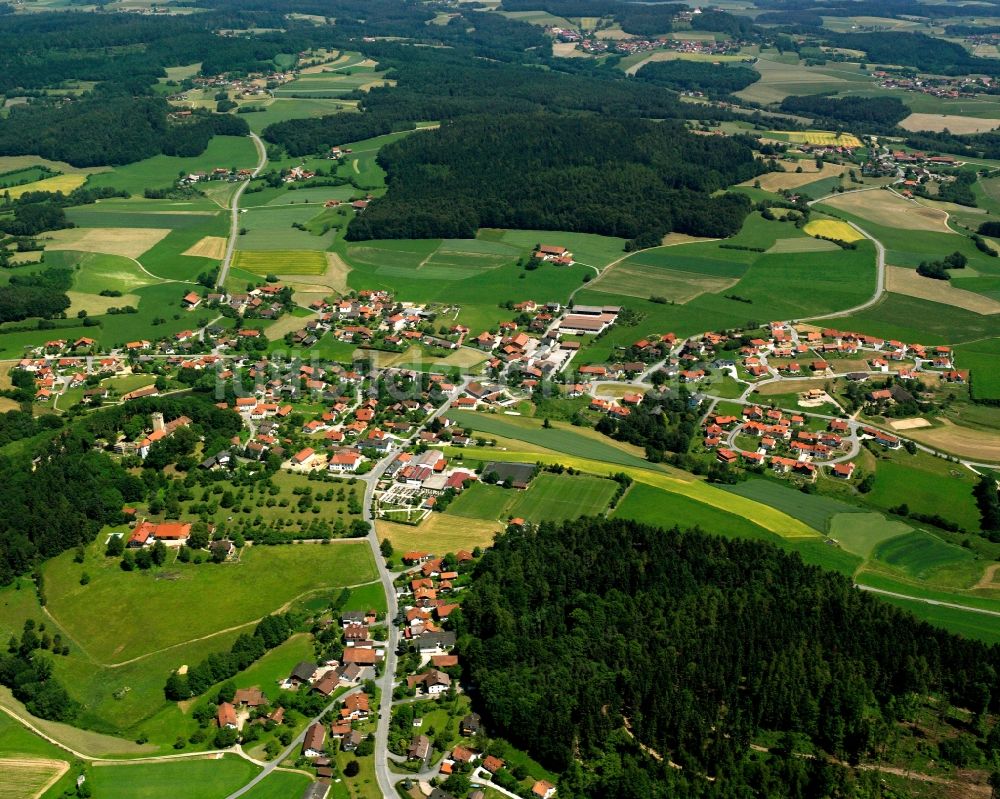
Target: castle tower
{"x":158,"y":425}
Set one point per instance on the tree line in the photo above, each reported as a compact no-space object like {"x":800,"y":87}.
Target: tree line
{"x":582,"y":635}
{"x":628,"y":178}
{"x":248,"y":648}
{"x":698,"y":76}
{"x":78,"y":132}
{"x":873,"y":113}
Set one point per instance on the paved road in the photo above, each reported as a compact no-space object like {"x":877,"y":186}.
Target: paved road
{"x":234,"y":224}
{"x":267,"y":768}
{"x":879,"y":281}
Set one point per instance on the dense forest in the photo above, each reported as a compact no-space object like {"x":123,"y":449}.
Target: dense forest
{"x":919,"y":50}
{"x":439,"y":85}
{"x":109,"y":130}
{"x":581,"y":635}
{"x":698,"y":76}
{"x":40,"y":294}
{"x":629,"y":178}
{"x":874,"y":114}
{"x":975,"y":145}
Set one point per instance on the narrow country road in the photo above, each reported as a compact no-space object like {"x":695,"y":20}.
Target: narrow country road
{"x":234,"y":224}
{"x":928,"y":601}
{"x":879,"y":269}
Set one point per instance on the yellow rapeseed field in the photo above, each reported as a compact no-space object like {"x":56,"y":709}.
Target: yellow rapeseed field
{"x":832,"y":229}
{"x":63,"y":183}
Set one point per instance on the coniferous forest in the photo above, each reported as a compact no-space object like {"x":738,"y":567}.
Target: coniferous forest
{"x":582,"y":635}
{"x":630,"y":178}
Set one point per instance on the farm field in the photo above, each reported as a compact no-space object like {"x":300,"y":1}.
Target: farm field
{"x":25,"y":778}
{"x":162,"y":170}
{"x":549,"y":497}
{"x":903,"y":280}
{"x":962,"y":441}
{"x":271,"y":228}
{"x":644,"y":503}
{"x":773,"y":520}
{"x":782,"y":76}
{"x":822,"y":137}
{"x":130,"y":242}
{"x":812,"y":509}
{"x":281,"y":262}
{"x":951,"y":122}
{"x":916,"y":320}
{"x":635,"y":279}
{"x":832,"y":229}
{"x":208,"y":247}
{"x":202,"y":778}
{"x":775,"y":181}
{"x":63,"y":183}
{"x":440,"y":533}
{"x":888,"y":209}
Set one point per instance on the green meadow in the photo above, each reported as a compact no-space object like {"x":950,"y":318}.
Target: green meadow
{"x":983,"y":359}
{"x":549,"y":497}
{"x":202,"y":778}
{"x":926,"y":485}
{"x":162,"y":170}
{"x":650,"y":505}
{"x":920,"y":321}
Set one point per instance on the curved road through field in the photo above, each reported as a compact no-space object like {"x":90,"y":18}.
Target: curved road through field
{"x":234,"y":224}
{"x":879,"y":268}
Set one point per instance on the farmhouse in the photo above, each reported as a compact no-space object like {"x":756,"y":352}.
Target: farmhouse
{"x":315,"y":738}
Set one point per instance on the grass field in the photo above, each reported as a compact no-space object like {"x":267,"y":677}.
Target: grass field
{"x":977,"y":626}
{"x":162,"y":170}
{"x":965,"y":442}
{"x":904,"y":280}
{"x":832,"y":229}
{"x":280,"y":785}
{"x":926,"y":485}
{"x":201,"y":778}
{"x":271,"y":227}
{"x":281,"y":262}
{"x":264,"y":579}
{"x":768,"y":518}
{"x":983,"y":358}
{"x":914,"y":320}
{"x":920,"y":555}
{"x":63,"y":183}
{"x":860,"y":533}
